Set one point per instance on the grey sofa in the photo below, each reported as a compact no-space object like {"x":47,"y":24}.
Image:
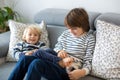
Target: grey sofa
{"x":54,"y":19}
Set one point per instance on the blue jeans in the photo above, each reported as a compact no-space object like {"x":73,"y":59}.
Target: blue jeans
{"x":37,"y":68}
{"x":48,"y":54}
{"x":21,"y":68}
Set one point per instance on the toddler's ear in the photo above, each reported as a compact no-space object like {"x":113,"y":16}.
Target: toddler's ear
{"x":39,"y":38}
{"x":23,"y":38}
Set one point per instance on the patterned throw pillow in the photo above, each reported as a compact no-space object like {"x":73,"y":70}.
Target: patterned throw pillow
{"x":106,"y":59}
{"x":16,"y":29}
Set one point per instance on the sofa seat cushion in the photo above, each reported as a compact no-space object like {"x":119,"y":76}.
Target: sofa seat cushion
{"x":6,"y":69}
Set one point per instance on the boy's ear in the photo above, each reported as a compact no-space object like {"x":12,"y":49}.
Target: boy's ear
{"x":39,"y":38}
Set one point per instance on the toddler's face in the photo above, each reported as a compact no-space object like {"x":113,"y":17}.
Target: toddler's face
{"x":32,"y":37}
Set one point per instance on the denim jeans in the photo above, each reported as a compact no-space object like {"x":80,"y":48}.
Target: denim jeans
{"x":37,"y":69}
{"x":47,"y":54}
{"x":21,"y":68}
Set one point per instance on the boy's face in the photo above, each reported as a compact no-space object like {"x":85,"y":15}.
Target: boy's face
{"x":76,"y":31}
{"x":32,"y":37}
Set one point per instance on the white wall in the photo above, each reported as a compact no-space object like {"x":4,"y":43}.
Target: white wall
{"x":28,"y":8}
{"x":1,"y":3}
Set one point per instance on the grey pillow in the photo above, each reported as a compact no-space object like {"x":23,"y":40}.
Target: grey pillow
{"x":106,"y":58}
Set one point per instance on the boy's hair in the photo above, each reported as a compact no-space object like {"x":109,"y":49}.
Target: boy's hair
{"x":32,"y":27}
{"x":77,"y":17}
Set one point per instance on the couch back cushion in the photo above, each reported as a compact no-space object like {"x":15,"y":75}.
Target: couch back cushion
{"x":53,"y":33}
{"x":54,"y":19}
{"x":109,"y":17}
{"x":55,"y":16}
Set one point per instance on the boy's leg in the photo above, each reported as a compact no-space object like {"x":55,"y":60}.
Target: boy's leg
{"x":39,"y":68}
{"x":21,"y":68}
{"x":46,"y":55}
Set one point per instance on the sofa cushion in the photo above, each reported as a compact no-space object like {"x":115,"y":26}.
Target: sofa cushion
{"x":106,"y":59}
{"x":17,"y":30}
{"x":5,"y":70}
{"x":55,"y":16}
{"x":54,"y":32}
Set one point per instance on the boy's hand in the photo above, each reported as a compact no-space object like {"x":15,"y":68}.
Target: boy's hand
{"x":62,"y":54}
{"x":76,"y":74}
{"x":66,"y":62}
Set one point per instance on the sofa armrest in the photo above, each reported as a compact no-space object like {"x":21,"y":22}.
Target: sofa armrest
{"x":4,"y":43}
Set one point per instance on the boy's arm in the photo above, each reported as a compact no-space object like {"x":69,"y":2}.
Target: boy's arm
{"x":87,"y":61}
{"x":60,"y":42}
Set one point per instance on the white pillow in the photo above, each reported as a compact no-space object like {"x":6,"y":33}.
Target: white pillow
{"x":106,"y":59}
{"x":17,"y":29}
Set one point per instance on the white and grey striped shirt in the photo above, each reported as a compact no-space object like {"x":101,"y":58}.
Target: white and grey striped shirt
{"x":81,"y":47}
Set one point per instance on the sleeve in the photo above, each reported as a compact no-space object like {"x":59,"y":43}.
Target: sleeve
{"x":60,"y":40}
{"x":87,"y":61}
{"x":17,"y":51}
{"x":42,"y":44}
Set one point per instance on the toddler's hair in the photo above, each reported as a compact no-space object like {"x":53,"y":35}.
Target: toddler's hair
{"x":34,"y":28}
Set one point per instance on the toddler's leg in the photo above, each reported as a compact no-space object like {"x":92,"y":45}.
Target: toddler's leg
{"x":51,"y":51}
{"x":46,"y":55}
{"x":21,"y":68}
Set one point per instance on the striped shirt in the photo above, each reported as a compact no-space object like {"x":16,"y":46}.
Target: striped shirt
{"x":22,"y":47}
{"x":81,"y":47}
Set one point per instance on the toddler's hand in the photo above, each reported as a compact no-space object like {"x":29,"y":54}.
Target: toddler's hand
{"x":34,"y":50}
{"x":76,"y":74}
{"x":29,"y":53}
